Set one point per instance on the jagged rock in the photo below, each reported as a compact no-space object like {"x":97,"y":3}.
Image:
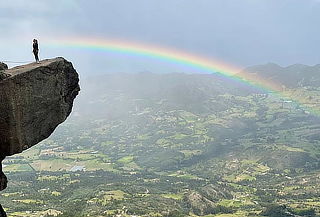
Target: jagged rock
{"x":3,"y":75}
{"x":3,"y":178}
{"x":34,"y":100}
{"x":3,"y":66}
{"x":2,"y":212}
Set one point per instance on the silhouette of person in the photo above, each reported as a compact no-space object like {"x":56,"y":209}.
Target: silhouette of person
{"x":35,"y":49}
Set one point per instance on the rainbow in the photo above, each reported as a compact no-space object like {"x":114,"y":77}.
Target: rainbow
{"x":181,"y":58}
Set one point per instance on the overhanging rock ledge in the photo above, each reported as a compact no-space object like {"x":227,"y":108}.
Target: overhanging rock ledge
{"x":34,"y":100}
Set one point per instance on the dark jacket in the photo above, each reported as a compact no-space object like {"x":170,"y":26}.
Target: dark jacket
{"x":35,"y":46}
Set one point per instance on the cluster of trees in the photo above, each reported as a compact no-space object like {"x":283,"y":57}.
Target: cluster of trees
{"x":275,"y":210}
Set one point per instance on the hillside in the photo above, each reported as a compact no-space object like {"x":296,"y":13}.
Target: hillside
{"x":174,"y":145}
{"x":293,"y":76}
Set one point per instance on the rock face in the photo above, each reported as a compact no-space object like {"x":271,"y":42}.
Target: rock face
{"x":34,"y":100}
{"x":2,"y":212}
{"x":3,"y":66}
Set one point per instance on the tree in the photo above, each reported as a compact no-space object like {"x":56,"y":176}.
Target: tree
{"x":275,"y":210}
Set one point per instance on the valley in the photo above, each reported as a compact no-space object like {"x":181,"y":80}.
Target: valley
{"x":174,"y":145}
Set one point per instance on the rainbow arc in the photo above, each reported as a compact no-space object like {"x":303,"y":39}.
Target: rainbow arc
{"x":178,"y":57}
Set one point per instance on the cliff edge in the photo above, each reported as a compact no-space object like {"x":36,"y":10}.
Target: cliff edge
{"x":34,"y":100}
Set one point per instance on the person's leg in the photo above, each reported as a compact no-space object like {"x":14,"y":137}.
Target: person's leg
{"x":37,"y":56}
{"x":35,"y":53}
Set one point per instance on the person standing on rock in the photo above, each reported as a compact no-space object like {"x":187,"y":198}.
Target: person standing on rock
{"x":35,"y":49}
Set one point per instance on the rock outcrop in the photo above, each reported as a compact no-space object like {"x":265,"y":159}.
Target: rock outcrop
{"x":34,"y":100}
{"x":3,"y":66}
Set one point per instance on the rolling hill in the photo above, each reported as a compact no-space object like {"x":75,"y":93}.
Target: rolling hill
{"x":178,"y":145}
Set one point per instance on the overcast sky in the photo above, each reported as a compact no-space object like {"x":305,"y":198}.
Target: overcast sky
{"x":240,"y":32}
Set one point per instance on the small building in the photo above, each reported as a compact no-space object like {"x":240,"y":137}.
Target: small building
{"x":77,"y":168}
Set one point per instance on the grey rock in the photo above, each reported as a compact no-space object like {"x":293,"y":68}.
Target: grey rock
{"x":3,"y":66}
{"x":3,"y":178}
{"x":34,"y":100}
{"x":2,"y":212}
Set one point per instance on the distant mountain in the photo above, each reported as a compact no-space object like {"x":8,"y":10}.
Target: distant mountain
{"x":176,"y":145}
{"x":297,"y":75}
{"x":117,"y":94}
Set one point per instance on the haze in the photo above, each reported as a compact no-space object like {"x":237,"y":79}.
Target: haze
{"x":242,"y":33}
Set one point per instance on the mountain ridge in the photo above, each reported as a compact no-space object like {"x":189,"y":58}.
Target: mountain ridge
{"x":292,"y":76}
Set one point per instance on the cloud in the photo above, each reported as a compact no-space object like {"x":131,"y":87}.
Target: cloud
{"x":240,"y":32}
{"x":20,"y":9}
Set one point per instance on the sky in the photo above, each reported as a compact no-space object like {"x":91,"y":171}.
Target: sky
{"x":238,"y":32}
